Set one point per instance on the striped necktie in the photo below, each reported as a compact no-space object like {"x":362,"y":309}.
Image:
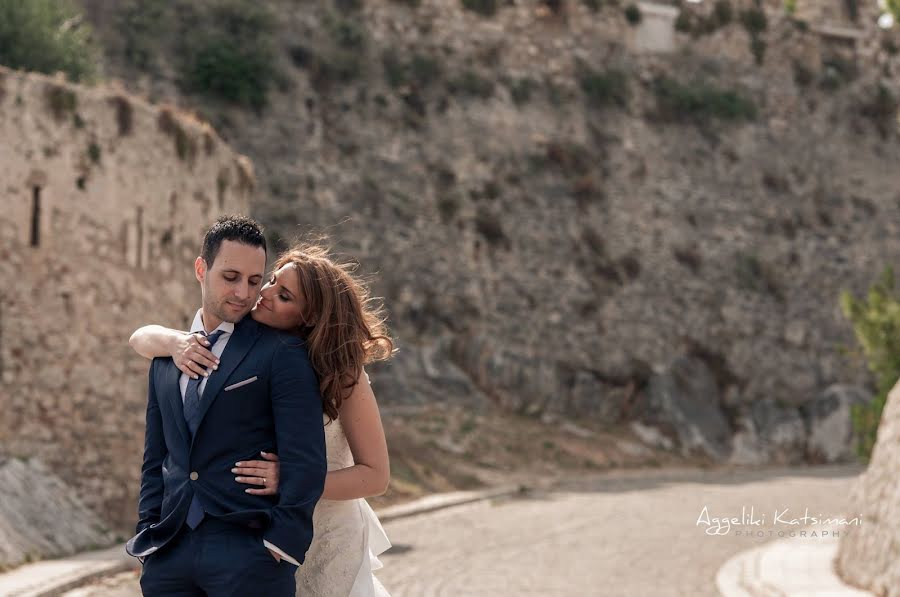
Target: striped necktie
{"x":192,"y":417}
{"x":192,"y":393}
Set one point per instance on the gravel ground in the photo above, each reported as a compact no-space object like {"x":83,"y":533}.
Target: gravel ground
{"x":632,"y":533}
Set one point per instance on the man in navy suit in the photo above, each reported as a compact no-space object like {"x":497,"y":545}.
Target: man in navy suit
{"x":199,"y":532}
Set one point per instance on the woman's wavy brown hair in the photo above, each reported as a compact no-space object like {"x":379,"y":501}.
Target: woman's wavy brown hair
{"x":343,"y":326}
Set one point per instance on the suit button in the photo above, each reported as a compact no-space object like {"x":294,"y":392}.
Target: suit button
{"x":194,"y":476}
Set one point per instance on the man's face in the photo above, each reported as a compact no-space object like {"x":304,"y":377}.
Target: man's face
{"x":231,"y":286}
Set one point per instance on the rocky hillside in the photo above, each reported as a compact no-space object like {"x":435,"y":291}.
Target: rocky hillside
{"x":40,"y":516}
{"x":560,"y":222}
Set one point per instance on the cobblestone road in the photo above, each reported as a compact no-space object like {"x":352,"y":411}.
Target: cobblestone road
{"x":630,"y":534}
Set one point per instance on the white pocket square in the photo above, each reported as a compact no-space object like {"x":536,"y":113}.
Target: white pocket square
{"x":240,"y":383}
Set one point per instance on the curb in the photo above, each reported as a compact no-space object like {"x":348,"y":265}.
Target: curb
{"x":48,"y":578}
{"x":52,"y":577}
{"x":795,"y":567}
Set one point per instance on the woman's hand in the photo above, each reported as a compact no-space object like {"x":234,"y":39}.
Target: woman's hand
{"x":192,"y":355}
{"x":261,"y":473}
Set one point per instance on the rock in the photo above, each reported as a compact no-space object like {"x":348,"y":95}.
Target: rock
{"x":412,"y":377}
{"x":576,"y":430}
{"x":747,"y":447}
{"x":448,"y":445}
{"x":651,"y":436}
{"x":41,"y":517}
{"x":684,"y":401}
{"x":591,"y":398}
{"x":795,"y":332}
{"x":869,"y":556}
{"x":633,"y":449}
{"x":781,"y":431}
{"x":830,"y":436}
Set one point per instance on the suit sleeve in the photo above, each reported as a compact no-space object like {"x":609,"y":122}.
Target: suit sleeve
{"x":150,"y":500}
{"x":300,"y":437}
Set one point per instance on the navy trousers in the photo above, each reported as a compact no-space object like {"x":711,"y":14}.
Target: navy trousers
{"x":217,"y":559}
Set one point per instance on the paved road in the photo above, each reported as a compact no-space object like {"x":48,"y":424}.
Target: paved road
{"x":631,"y":534}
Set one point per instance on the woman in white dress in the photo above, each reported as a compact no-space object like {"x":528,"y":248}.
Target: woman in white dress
{"x":320,"y":299}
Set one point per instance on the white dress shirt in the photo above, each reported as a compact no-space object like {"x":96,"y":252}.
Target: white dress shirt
{"x":217,"y":349}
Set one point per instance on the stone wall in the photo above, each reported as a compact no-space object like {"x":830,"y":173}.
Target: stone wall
{"x":869,"y":557}
{"x":103,"y":200}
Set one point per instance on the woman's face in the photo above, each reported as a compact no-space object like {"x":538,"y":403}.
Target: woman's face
{"x":280,"y":303}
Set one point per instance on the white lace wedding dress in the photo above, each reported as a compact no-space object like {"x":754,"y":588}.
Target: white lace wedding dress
{"x":347,"y":538}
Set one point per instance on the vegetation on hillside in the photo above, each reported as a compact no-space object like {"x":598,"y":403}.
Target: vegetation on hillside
{"x":46,"y":36}
{"x":876,"y":323}
{"x":233,"y":56}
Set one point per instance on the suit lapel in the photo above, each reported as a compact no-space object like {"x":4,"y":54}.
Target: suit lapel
{"x":172,"y":393}
{"x":242,"y":340}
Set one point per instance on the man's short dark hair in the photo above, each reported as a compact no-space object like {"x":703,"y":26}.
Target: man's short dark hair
{"x":236,"y":228}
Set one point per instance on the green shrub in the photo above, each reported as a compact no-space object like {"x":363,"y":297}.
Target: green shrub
{"x":837,"y":71}
{"x":124,"y":114}
{"x":142,"y":24}
{"x":593,"y":5}
{"x":483,"y":7}
{"x":520,"y":90}
{"x":876,"y":325}
{"x":555,"y":93}
{"x":347,"y":33}
{"x":555,"y":6}
{"x":471,"y":84}
{"x":337,"y":67}
{"x":94,"y":152}
{"x":232,"y":58}
{"x":301,"y":56}
{"x":754,"y":276}
{"x":893,"y":7}
{"x":46,"y":36}
{"x":676,"y":101}
{"x":758,"y":49}
{"x":489,"y":226}
{"x":448,"y":207}
{"x":803,"y":76}
{"x":342,"y":58}
{"x":185,"y":146}
{"x":882,"y":109}
{"x":605,"y":88}
{"x":420,"y":70}
{"x":394,"y":69}
{"x":61,"y":101}
{"x":697,"y":25}
{"x":571,"y":159}
{"x":684,"y":23}
{"x":754,"y":21}
{"x":633,"y":14}
{"x":348,"y":5}
{"x":424,"y":70}
{"x":722,"y":13}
